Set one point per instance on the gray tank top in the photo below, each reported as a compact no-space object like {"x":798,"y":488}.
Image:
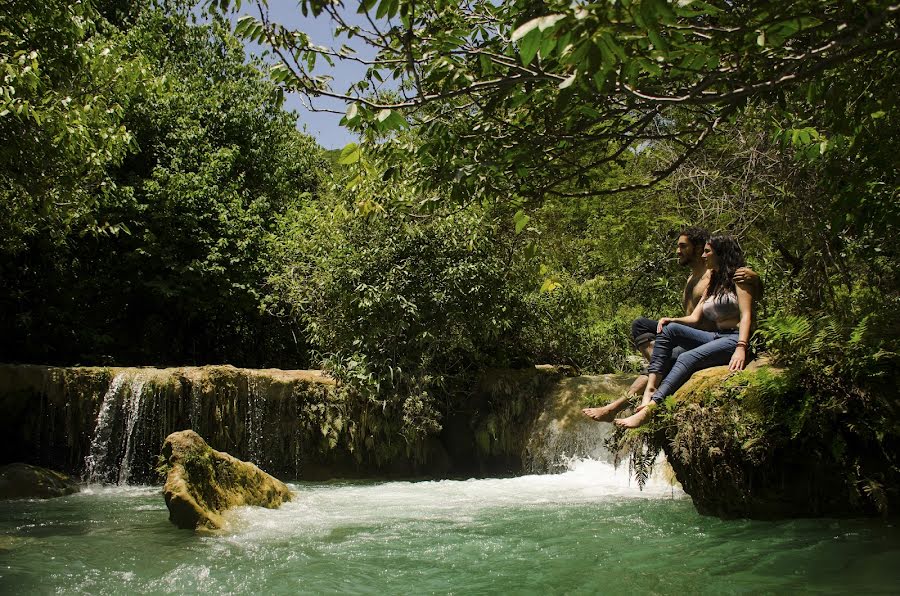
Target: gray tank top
{"x":721,"y":307}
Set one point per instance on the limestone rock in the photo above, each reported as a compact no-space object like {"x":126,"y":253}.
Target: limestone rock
{"x":736,"y":457}
{"x":201,"y":483}
{"x":24,"y":481}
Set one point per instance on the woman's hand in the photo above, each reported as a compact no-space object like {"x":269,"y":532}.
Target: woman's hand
{"x":738,"y":359}
{"x":662,"y":322}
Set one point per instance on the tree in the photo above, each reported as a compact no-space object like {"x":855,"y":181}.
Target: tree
{"x":67,"y":83}
{"x":535,"y":98}
{"x":166,"y":260}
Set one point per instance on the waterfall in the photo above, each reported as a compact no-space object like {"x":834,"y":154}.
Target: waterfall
{"x":561,"y":433}
{"x":254,"y":415}
{"x":129,"y":429}
{"x":97,"y":467}
{"x":554,"y":444}
{"x":254,"y":419}
{"x":132,"y":415}
{"x":110,"y":423}
{"x":196,"y":404}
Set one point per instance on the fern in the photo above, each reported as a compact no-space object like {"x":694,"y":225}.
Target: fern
{"x":637,"y":447}
{"x":876,"y":493}
{"x":783,"y":334}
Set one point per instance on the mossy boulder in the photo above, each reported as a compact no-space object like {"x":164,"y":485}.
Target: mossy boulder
{"x":735,"y":449}
{"x":201,"y":483}
{"x":24,"y":481}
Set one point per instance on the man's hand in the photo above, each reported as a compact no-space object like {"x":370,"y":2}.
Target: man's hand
{"x":738,"y":359}
{"x":749,"y":279}
{"x":745,"y":275}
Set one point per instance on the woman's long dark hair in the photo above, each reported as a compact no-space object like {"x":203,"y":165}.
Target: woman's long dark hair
{"x":730,"y":258}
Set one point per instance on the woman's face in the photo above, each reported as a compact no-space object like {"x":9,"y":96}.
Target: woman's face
{"x":709,"y":255}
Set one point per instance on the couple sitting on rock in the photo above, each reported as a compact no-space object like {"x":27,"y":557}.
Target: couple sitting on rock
{"x":719,"y":315}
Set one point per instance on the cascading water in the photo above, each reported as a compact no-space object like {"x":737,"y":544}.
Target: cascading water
{"x":553,"y":444}
{"x":254,"y":419}
{"x":97,"y":466}
{"x":110,"y":424}
{"x":126,"y":435}
{"x":561,"y":433}
{"x":243,"y":412}
{"x":132,"y":415}
{"x":196,"y":405}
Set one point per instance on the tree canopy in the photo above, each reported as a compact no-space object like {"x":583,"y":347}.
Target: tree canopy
{"x":535,"y":98}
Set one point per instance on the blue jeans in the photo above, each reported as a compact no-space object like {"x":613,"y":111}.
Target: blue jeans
{"x":703,"y":349}
{"x":643,"y":331}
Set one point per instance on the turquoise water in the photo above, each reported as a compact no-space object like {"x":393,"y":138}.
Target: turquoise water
{"x":586,"y":531}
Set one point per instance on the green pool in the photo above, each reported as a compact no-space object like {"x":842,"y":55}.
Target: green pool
{"x":586,"y":531}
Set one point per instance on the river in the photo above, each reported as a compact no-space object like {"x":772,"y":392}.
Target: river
{"x":585,"y":531}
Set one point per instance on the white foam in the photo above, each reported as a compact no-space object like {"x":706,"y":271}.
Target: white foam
{"x":321,"y":508}
{"x":116,"y":490}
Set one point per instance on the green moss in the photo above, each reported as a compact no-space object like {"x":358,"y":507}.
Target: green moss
{"x":753,"y":444}
{"x":597,"y":399}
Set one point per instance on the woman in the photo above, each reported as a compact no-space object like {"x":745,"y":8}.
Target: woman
{"x":728,"y":305}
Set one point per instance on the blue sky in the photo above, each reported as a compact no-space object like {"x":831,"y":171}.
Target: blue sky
{"x":323,"y":126}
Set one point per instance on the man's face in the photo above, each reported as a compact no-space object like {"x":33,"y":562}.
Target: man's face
{"x":685,"y":251}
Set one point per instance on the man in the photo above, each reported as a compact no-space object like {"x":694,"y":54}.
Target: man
{"x":689,"y":250}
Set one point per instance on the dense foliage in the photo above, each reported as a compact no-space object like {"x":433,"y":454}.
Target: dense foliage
{"x":157,"y":254}
{"x":67,"y":84}
{"x":767,"y":120}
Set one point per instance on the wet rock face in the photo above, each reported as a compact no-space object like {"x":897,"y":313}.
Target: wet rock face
{"x":561,"y":431}
{"x":24,"y":481}
{"x":201,"y":483}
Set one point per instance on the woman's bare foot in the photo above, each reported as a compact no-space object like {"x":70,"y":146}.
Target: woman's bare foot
{"x":639,"y":418}
{"x":607,"y":412}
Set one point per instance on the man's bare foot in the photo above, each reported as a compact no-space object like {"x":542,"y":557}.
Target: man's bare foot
{"x":607,"y":412}
{"x":639,"y":418}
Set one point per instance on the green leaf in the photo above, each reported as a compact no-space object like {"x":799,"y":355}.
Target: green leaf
{"x":549,"y":285}
{"x":383,"y":8}
{"x":243,"y":24}
{"x":529,"y":46}
{"x":547,"y":46}
{"x":395,"y":121}
{"x":486,"y":66}
{"x":279,"y":73}
{"x":521,"y":220}
{"x":349,"y":154}
{"x":365,"y":5}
